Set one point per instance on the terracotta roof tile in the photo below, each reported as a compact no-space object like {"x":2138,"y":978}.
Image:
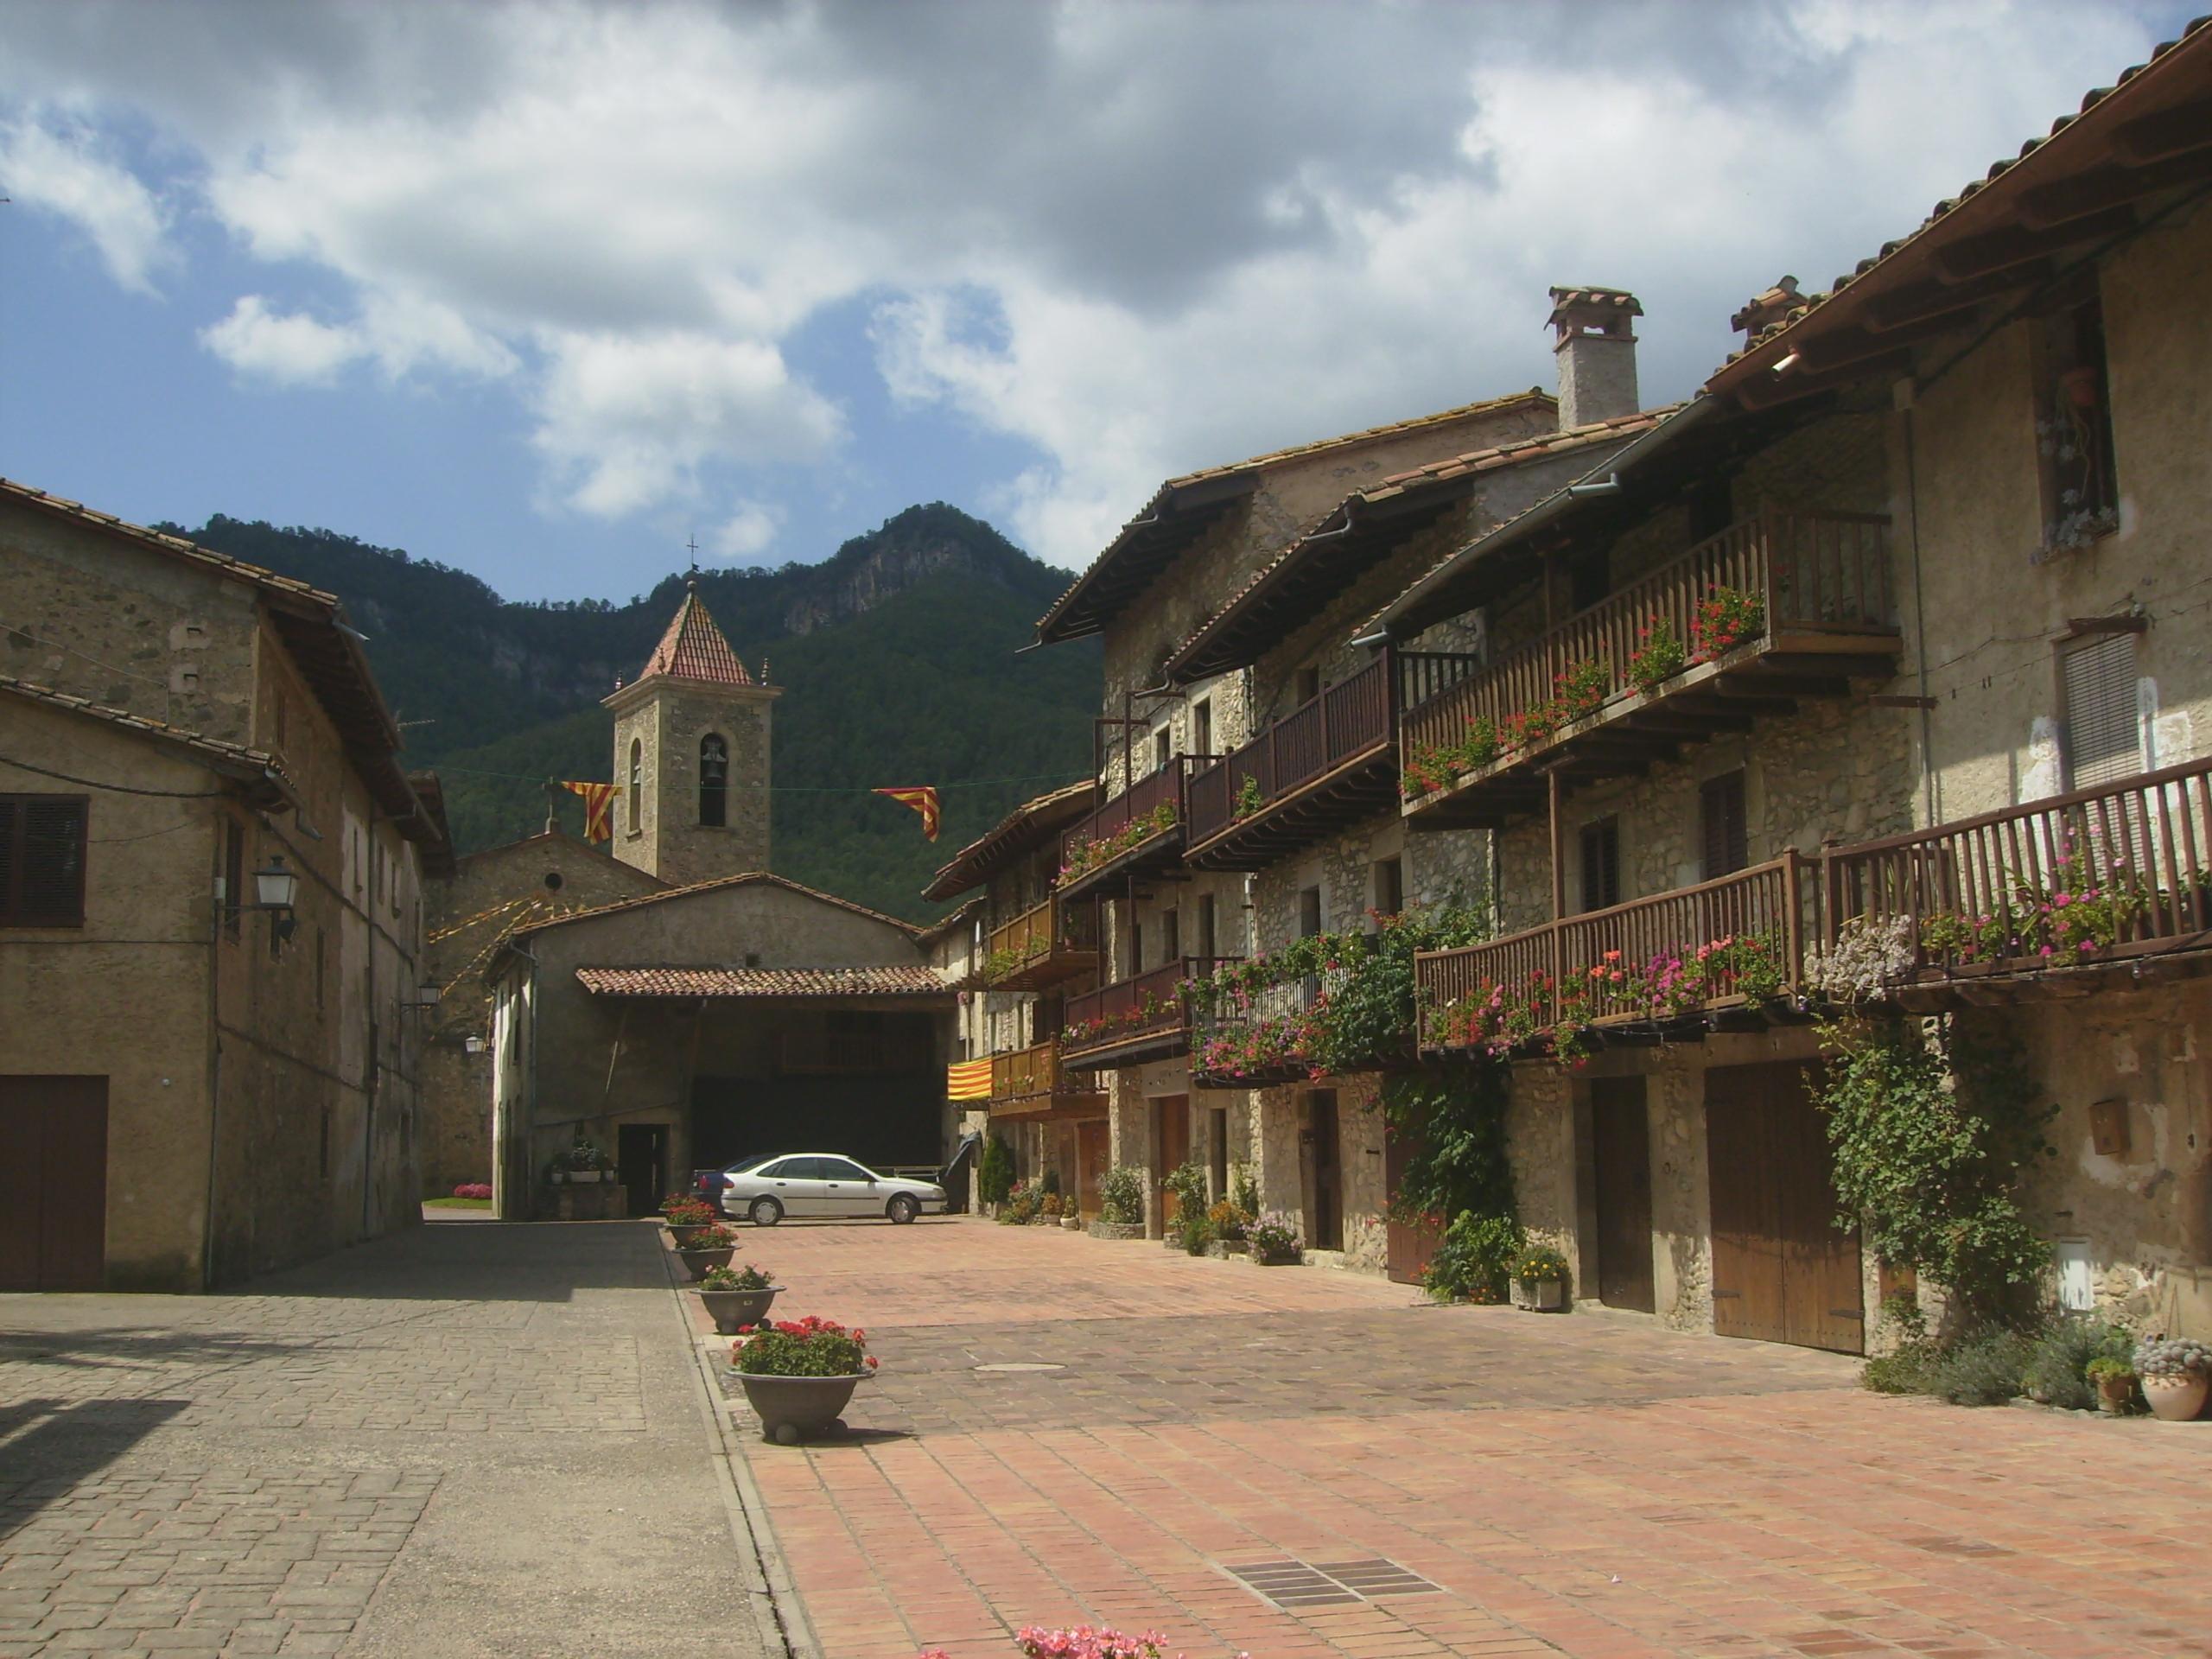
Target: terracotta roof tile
{"x":694,"y":648}
{"x":740,"y":879}
{"x":762,"y":982}
{"x":233,"y":759}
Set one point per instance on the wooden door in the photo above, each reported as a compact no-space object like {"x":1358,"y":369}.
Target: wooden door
{"x":1170,"y":1122}
{"x":1409,"y":1244}
{"x":641,"y":1165}
{"x":1782,"y":1271}
{"x":1620,"y":1152}
{"x":53,"y":1183}
{"x":1091,"y":1143}
{"x":1324,"y":1180}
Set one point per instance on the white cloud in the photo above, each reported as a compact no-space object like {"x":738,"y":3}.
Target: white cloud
{"x":746,"y":534}
{"x":1136,"y":239}
{"x":63,"y":172}
{"x":283,"y":350}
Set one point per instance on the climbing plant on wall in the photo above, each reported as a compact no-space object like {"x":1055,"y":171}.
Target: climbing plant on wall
{"x":1933,"y":1131}
{"x":1457,"y":1175}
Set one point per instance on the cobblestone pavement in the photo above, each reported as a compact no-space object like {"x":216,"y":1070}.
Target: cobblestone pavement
{"x":1591,"y":1485}
{"x":462,"y":1440}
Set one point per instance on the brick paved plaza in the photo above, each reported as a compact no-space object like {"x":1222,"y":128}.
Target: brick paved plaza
{"x":484,"y":1439}
{"x":1589,"y":1485}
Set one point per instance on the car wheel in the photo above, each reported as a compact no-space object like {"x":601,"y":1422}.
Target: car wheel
{"x":765,"y":1212}
{"x":902,"y":1209}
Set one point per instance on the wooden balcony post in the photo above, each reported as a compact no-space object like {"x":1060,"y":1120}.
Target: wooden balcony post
{"x":1793,"y":916}
{"x":1559,"y":848}
{"x":1831,"y":895}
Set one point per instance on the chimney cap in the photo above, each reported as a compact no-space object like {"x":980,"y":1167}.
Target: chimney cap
{"x":1763,"y":309}
{"x":1586,"y":309}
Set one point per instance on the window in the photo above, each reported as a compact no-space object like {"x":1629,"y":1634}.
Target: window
{"x":321,"y":977}
{"x":1589,"y":578}
{"x":1389,"y":886}
{"x":1205,"y":925}
{"x":637,"y":783}
{"x":2074,"y":429}
{"x":1721,"y":829}
{"x":554,"y":880}
{"x":1309,"y":912}
{"x":1601,"y":864}
{"x":2103,"y":737}
{"x":1162,"y":749}
{"x":1171,"y":935}
{"x":1308,"y":686}
{"x":1136,"y":947}
{"x":234,"y":875}
{"x":713,"y":781}
{"x":1202,"y":727}
{"x":42,"y":859}
{"x":1711,"y":510}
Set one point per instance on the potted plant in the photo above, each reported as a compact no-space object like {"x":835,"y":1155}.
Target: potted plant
{"x":583,"y":1160}
{"x":1274,"y":1241}
{"x":1229,"y":1221}
{"x":2175,"y":1373}
{"x":799,"y":1374}
{"x":735,"y":1297}
{"x":1120,"y":1205}
{"x":2115,"y":1384}
{"x":708,"y":1247}
{"x":685,"y":1216}
{"x":1541,"y":1276}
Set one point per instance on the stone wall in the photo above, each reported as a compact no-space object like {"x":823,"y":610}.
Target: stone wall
{"x":667,"y":719}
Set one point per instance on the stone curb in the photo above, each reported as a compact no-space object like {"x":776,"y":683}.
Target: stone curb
{"x":778,"y":1616}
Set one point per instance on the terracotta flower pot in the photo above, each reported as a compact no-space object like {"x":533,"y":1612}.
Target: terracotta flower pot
{"x":697,"y":1263}
{"x":792,"y":1409}
{"x":2176,"y":1397}
{"x":729,"y":1309}
{"x":2114,"y":1394}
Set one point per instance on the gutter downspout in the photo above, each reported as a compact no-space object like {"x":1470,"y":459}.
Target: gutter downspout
{"x":220,"y":819}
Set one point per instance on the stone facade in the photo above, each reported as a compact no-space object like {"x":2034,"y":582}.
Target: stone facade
{"x":261,"y":1099}
{"x":660,"y":725}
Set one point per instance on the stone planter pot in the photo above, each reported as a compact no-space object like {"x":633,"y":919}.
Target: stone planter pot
{"x":729,"y":1309}
{"x":1117,"y":1229}
{"x":1222,"y":1248}
{"x":2115,"y":1395}
{"x":1071,"y":1223}
{"x":1276,"y":1258}
{"x":2176,"y":1399}
{"x":1543,"y":1295}
{"x":696,"y":1262}
{"x":583,"y":1177}
{"x":792,"y":1409}
{"x":558,"y":1178}
{"x":1043,"y":1221}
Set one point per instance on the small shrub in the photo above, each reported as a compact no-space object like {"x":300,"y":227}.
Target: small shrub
{"x":810,"y":1347}
{"x":995,"y":1170}
{"x":1275,"y":1236}
{"x":1540,"y":1264}
{"x":2057,"y":1371}
{"x":2172,"y":1356}
{"x":1230,"y":1220}
{"x":1049,"y":1182}
{"x":1472,"y":1262}
{"x":1022,"y":1201}
{"x":1192,"y":1230}
{"x":1120,"y":1196}
{"x":473,"y":1190}
{"x":1244,"y":1193}
{"x":1985,"y":1367}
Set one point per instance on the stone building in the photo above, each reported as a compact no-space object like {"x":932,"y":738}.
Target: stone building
{"x":193,"y":1088}
{"x":691,"y":1027}
{"x":1931,"y":542}
{"x":1019,"y":952}
{"x":1199,"y":543}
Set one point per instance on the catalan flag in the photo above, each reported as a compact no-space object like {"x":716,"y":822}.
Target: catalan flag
{"x":598,"y":808}
{"x":923,"y":800}
{"x":969,"y":1079}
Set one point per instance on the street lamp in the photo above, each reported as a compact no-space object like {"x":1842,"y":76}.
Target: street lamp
{"x":431,"y":997}
{"x":275,"y":888}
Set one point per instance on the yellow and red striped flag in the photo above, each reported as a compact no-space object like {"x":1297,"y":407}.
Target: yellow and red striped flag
{"x":598,"y":808}
{"x":923,"y":800}
{"x":969,"y":1079}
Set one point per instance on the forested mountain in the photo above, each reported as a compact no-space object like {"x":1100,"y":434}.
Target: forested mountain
{"x":895,"y":654}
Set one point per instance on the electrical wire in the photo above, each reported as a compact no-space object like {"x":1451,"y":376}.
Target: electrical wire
{"x":119,"y":789}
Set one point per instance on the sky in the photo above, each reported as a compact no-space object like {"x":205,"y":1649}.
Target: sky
{"x":549,"y":291}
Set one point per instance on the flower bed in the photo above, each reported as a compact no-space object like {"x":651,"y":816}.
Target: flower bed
{"x":1103,"y":850}
{"x":812,"y":1346}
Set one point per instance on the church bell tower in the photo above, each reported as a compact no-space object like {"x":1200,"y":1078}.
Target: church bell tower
{"x":691,"y":756}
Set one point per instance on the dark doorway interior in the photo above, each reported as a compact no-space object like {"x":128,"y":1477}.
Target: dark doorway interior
{"x":641,"y":1165}
{"x":1620,"y":1146}
{"x":53,"y":1183}
{"x":1324,"y":1228}
{"x":881,"y":1119}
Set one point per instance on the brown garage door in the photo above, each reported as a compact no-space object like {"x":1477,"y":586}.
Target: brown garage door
{"x":53,"y":1183}
{"x":1782,"y":1272}
{"x":1410,"y":1244}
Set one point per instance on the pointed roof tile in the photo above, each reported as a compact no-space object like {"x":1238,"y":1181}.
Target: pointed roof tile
{"x":694,"y":648}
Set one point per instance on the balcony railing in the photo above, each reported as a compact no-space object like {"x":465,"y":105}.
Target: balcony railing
{"x":1720,"y":945}
{"x":1030,"y":1083}
{"x":1821,"y":586}
{"x":1142,"y":826}
{"x":2122,"y":871}
{"x":1144,"y":1018}
{"x":1335,"y":754}
{"x":1261,"y":1038}
{"x":1044,"y":944}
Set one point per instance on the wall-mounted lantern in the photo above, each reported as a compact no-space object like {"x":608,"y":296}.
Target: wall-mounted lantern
{"x":274,"y":889}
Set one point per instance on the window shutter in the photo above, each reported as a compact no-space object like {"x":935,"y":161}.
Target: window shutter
{"x":1720,"y":810}
{"x":44,"y":875}
{"x":1601,"y":864}
{"x":2103,"y":737}
{"x":8,"y":859}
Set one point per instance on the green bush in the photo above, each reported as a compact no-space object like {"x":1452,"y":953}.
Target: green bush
{"x":1476,"y":1256}
{"x":995,"y":1170}
{"x":1049,"y":1182}
{"x":2057,"y":1371}
{"x":1120,"y":1196}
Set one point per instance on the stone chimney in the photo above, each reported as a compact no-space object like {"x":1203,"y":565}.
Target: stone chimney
{"x":1597,"y":353}
{"x":1762,"y":311}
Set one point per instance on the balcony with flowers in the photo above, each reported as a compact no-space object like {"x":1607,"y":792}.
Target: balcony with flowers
{"x":1777,"y":607}
{"x":1146,"y":1017}
{"x":1139,"y":832}
{"x":1044,"y":946}
{"x":1029,"y":1085}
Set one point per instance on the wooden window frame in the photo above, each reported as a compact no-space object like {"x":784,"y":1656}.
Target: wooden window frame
{"x":1599,"y":845}
{"x":1723,"y":849}
{"x":15,"y":867}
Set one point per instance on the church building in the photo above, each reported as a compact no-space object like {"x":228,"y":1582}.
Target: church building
{"x":676,"y":1006}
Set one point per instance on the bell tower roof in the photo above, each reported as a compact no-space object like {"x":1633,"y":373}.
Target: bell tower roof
{"x":694,"y":648}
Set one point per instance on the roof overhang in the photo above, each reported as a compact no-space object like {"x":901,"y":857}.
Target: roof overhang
{"x":1033,"y":824}
{"x":2098,"y":177}
{"x":1176,"y":517}
{"x":261,"y":778}
{"x":905,"y":984}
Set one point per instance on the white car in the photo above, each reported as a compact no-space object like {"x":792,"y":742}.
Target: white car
{"x":823,"y":1184}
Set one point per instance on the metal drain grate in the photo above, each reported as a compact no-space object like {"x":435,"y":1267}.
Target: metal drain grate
{"x":1294,"y":1584}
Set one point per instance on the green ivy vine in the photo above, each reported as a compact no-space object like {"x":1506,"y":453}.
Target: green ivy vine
{"x":1456,"y":1176}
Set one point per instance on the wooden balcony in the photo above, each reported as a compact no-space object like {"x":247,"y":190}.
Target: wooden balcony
{"x":1254,"y":1042}
{"x":1042,"y":947}
{"x":2056,"y":898}
{"x":1725,"y":952}
{"x":1327,"y":764}
{"x":1139,"y":832}
{"x":1133,"y":1020}
{"x":1030,"y":1086}
{"x":1821,"y":586}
